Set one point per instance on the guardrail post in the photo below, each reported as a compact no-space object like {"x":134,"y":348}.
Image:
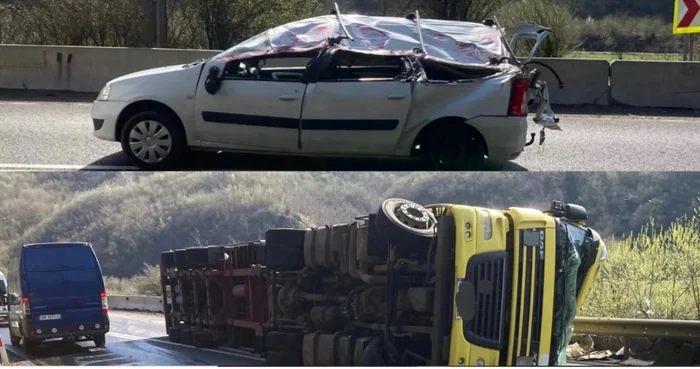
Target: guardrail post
{"x":149,"y":22}
{"x":162,"y":23}
{"x":626,"y":350}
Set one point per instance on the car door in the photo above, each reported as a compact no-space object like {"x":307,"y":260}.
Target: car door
{"x":358,"y":105}
{"x":250,"y":111}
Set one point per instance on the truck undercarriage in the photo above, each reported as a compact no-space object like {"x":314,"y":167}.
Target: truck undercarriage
{"x":397,"y":287}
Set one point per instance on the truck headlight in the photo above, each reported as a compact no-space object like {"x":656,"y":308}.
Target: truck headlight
{"x":603,"y":252}
{"x":104,"y":94}
{"x":487,"y":225}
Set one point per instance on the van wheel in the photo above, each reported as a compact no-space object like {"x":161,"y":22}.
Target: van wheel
{"x":16,"y":341}
{"x":100,"y":340}
{"x":153,"y":141}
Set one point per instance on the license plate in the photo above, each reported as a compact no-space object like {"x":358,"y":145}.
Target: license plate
{"x":50,"y":317}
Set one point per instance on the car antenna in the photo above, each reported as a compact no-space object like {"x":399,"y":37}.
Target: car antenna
{"x":342,"y":25}
{"x":420,"y":33}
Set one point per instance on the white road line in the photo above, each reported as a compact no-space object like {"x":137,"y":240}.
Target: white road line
{"x":136,"y":338}
{"x":29,"y":167}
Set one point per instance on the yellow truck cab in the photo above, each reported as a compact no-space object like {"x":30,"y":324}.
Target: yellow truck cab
{"x":518,"y":278}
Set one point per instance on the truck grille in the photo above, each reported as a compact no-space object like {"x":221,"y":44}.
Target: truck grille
{"x":528,"y":282}
{"x":487,"y":273}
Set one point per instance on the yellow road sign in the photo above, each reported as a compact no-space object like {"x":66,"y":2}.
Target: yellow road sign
{"x":686,"y":17}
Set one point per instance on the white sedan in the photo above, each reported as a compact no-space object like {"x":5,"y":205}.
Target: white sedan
{"x":337,"y":85}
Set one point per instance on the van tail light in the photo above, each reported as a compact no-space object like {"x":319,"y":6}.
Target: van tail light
{"x":518,"y":97}
{"x":26,"y":309}
{"x":105,"y":305}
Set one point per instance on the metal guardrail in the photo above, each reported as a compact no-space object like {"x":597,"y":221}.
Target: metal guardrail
{"x":652,"y":328}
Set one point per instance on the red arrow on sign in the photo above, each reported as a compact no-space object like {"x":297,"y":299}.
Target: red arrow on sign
{"x":690,"y":14}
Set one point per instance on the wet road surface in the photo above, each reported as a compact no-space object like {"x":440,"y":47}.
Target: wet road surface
{"x":134,"y":339}
{"x":140,"y":339}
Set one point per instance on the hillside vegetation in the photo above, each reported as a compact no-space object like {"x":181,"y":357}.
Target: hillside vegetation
{"x":619,"y":26}
{"x":131,"y":217}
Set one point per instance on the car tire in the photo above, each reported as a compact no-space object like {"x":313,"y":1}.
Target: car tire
{"x":100,"y":340}
{"x":405,"y":224}
{"x":454,"y":147}
{"x":14,"y":340}
{"x":280,"y":341}
{"x":284,"y":358}
{"x":175,"y":137}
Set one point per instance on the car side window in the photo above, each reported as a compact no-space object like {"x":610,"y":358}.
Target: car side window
{"x":357,"y":67}
{"x":275,"y":68}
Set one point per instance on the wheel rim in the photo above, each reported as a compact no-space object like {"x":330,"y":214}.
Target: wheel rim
{"x":413,"y":216}
{"x":150,"y":141}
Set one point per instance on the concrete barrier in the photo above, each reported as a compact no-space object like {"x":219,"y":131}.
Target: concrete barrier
{"x":136,"y":303}
{"x":87,"y":69}
{"x":585,"y":81}
{"x":81,"y":69}
{"x":659,"y":84}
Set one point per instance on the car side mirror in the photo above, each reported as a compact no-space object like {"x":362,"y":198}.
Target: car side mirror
{"x":213,"y":81}
{"x":13,"y":299}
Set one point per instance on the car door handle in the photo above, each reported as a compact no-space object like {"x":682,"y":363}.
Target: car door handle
{"x":396,"y":97}
{"x":287,"y":98}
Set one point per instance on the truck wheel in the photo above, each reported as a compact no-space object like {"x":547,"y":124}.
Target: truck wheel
{"x":16,"y":341}
{"x":284,"y":358}
{"x":153,"y":141}
{"x":203,"y":340}
{"x":279,"y":341}
{"x":285,"y":238}
{"x":405,"y":224}
{"x":284,"y":258}
{"x":187,"y":337}
{"x":100,"y":340}
{"x":373,"y":353}
{"x":175,"y":334}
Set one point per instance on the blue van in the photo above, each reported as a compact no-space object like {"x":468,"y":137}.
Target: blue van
{"x":62,"y":295}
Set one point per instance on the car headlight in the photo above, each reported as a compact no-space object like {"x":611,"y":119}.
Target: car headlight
{"x":104,"y":94}
{"x":603,"y":252}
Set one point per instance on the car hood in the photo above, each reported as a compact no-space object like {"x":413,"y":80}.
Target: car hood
{"x":149,"y":74}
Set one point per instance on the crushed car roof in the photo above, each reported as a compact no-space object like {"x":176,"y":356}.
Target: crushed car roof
{"x":452,"y":41}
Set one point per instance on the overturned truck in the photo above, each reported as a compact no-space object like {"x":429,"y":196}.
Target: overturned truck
{"x":408,"y":285}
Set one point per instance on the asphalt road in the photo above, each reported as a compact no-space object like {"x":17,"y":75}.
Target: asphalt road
{"x":140,"y":339}
{"x":134,"y":339}
{"x":55,"y":133}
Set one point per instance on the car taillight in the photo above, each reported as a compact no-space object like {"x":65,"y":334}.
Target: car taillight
{"x":518,"y":97}
{"x":105,"y":306}
{"x":26,"y":309}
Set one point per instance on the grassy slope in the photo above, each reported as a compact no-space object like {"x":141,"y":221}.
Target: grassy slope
{"x":130,"y":218}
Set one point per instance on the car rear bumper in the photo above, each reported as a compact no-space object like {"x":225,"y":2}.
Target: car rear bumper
{"x":505,"y":136}
{"x":104,"y":119}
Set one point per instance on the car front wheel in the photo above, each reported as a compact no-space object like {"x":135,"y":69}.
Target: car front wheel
{"x":153,"y":141}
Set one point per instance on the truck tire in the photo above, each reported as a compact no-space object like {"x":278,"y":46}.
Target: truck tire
{"x":279,"y":341}
{"x":100,"y":340}
{"x":405,"y":224}
{"x":284,"y":358}
{"x":203,"y":340}
{"x":284,"y":258}
{"x":187,"y":337}
{"x":175,"y":334}
{"x":285,"y":238}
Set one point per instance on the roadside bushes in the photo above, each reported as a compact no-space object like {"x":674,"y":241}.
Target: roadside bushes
{"x":654,"y":274}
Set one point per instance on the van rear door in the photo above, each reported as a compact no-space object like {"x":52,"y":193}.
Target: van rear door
{"x":63,"y":283}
